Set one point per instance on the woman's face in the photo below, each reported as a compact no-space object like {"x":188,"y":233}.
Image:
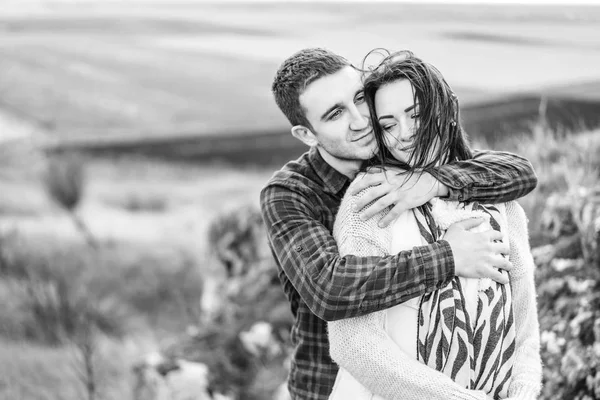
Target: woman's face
{"x":398,"y":116}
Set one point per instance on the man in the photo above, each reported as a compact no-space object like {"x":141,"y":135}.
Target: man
{"x":321,"y":95}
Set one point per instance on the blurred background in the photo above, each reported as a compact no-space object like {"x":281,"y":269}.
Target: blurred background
{"x":135,"y":137}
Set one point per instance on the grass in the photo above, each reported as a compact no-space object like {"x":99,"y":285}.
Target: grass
{"x":563,"y":162}
{"x":30,"y":371}
{"x":130,"y":286}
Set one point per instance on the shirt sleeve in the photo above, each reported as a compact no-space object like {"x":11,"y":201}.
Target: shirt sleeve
{"x":336,"y":287}
{"x":489,"y":177}
{"x":362,"y":347}
{"x":526,"y":380}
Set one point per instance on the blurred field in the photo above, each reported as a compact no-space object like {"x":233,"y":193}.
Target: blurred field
{"x":131,"y":69}
{"x":141,"y":288}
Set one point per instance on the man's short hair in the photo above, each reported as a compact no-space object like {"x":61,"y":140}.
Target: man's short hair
{"x":296,"y":73}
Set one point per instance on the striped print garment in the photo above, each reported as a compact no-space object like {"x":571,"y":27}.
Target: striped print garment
{"x":476,"y":351}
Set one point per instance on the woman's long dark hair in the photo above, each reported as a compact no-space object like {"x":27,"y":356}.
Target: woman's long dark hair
{"x":438,"y":123}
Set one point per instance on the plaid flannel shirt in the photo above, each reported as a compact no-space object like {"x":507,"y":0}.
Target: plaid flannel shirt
{"x":299,"y":205}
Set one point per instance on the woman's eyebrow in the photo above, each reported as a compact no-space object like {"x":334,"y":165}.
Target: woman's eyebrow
{"x":385,"y":116}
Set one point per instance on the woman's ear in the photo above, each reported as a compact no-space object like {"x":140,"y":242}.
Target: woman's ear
{"x":305,"y":135}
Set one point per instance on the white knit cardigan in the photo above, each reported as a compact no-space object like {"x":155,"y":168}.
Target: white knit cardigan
{"x":361,"y":346}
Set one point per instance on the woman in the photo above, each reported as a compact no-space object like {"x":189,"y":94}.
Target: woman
{"x":472,"y":339}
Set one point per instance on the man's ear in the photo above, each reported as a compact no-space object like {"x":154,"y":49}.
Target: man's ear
{"x":305,"y":135}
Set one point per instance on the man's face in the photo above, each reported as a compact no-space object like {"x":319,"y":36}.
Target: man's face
{"x":335,"y":107}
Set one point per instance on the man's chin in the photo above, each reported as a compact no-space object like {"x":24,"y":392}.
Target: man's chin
{"x":367,"y":151}
{"x":368,"y":143}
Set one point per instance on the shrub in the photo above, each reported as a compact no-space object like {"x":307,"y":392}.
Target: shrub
{"x":50,"y":296}
{"x":238,"y":239}
{"x":57,"y":290}
{"x":568,"y":269}
{"x":65,"y":180}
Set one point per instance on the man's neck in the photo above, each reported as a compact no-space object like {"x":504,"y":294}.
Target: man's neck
{"x":346,"y":167}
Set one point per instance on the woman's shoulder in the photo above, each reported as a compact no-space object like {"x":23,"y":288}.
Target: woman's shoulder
{"x":348,"y":219}
{"x":353,"y":199}
{"x":356,"y":181}
{"x":515,"y":214}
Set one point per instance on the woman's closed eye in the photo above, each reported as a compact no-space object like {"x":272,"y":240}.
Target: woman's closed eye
{"x":388,"y":127}
{"x":360,"y":98}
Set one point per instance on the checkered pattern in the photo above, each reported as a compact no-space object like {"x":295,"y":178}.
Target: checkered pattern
{"x":490,"y":177}
{"x":299,"y":205}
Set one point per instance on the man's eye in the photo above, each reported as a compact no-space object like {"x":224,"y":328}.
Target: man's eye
{"x":415,"y":116}
{"x":359,"y":99}
{"x":335,"y":115}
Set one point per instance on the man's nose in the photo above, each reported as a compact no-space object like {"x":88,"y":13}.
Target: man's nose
{"x":359,"y":121}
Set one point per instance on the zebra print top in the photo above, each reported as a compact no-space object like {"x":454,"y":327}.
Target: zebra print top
{"x":474,"y":346}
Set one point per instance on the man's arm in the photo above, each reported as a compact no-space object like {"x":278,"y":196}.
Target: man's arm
{"x":337,"y":287}
{"x":489,"y":177}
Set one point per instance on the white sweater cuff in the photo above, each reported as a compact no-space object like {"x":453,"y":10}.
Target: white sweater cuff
{"x":525,"y":392}
{"x":468,"y":395}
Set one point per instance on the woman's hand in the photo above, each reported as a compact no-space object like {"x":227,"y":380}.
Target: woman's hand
{"x":394,"y":187}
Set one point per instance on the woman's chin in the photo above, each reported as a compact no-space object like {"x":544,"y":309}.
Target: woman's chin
{"x":401,"y":155}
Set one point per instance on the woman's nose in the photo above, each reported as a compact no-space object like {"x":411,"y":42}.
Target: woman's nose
{"x":405,"y":129}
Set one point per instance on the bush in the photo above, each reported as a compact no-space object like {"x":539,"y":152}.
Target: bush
{"x":562,"y":164}
{"x":245,"y":291}
{"x":55,"y":291}
{"x":50,"y":296}
{"x":564,"y":215}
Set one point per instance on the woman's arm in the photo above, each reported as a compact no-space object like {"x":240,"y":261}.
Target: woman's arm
{"x":527,"y":370}
{"x":361,"y":345}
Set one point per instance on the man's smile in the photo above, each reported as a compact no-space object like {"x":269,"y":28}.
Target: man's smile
{"x":369,"y":132}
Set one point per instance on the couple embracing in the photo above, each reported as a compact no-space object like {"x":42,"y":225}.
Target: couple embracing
{"x":402,"y":252}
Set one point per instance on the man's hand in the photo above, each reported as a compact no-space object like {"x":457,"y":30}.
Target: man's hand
{"x":398,"y":188}
{"x":477,"y":255}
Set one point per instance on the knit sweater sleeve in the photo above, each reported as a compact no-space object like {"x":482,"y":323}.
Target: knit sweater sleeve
{"x":355,"y":236}
{"x":527,"y":370}
{"x":361,"y":344}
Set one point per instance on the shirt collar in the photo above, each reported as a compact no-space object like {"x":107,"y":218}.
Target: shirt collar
{"x":333,"y":180}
